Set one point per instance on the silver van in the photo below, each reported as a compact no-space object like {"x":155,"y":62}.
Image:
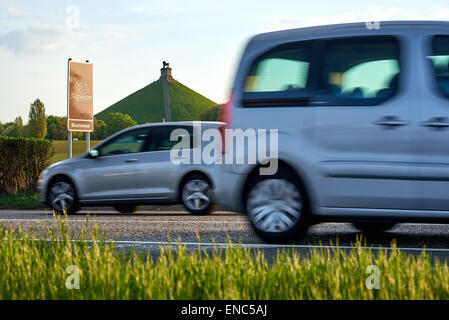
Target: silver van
{"x":362,"y":114}
{"x":134,"y":167}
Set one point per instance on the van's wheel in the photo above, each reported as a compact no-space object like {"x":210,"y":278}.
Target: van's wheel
{"x":126,"y":208}
{"x":373,"y":227}
{"x":277,"y":207}
{"x":62,"y":196}
{"x":196,"y":194}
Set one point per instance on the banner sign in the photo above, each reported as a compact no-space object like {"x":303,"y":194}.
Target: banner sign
{"x":80,"y":103}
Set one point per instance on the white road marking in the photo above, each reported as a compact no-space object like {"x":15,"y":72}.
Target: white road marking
{"x":129,"y":221}
{"x":222,"y":245}
{"x":114,"y":213}
{"x":273,"y":246}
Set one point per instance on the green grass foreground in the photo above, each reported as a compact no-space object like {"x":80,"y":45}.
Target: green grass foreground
{"x":32,"y":269}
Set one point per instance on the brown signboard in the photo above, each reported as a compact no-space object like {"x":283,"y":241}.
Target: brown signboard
{"x":80,"y":106}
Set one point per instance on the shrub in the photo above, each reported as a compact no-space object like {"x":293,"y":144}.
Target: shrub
{"x":21,"y":162}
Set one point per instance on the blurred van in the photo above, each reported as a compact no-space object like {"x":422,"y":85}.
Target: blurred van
{"x":362,"y":119}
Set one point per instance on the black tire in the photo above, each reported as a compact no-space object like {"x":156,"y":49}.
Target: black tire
{"x":126,"y":208}
{"x":72,"y":206}
{"x":373,"y":227}
{"x":204,"y":206}
{"x":295,"y":193}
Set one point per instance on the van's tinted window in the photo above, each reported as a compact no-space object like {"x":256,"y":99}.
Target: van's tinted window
{"x":440,"y":61}
{"x":360,"y":71}
{"x":281,"y":69}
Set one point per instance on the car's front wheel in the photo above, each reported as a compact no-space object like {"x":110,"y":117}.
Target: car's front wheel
{"x":276,"y":207}
{"x":62,"y":196}
{"x":196,"y":194}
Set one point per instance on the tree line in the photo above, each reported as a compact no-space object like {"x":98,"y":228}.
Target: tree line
{"x":52,"y":127}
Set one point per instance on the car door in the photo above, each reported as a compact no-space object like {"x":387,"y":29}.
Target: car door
{"x":360,"y":126}
{"x":115,"y":173}
{"x":159,"y":175}
{"x":431,"y":136}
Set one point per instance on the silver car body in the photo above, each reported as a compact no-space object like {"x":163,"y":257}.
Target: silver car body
{"x":135,"y":178}
{"x":349,"y":163}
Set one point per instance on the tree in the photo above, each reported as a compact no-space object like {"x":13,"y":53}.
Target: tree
{"x":56,"y":128}
{"x":14,"y":129}
{"x":19,"y":122}
{"x":20,"y":128}
{"x":99,"y":130}
{"x":37,"y":125}
{"x":117,"y":121}
{"x":9,"y":129}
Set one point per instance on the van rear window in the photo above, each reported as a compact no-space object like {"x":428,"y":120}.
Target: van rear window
{"x":440,"y":62}
{"x":281,"y":69}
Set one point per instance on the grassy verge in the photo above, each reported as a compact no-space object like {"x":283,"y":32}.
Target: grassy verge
{"x":37,"y":270}
{"x":78,"y":148}
{"x":27,"y":200}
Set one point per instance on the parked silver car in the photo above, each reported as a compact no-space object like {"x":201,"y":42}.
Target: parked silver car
{"x":362,"y":114}
{"x":133,"y":167}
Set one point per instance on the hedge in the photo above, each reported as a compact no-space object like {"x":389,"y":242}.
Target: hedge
{"x":21,"y":162}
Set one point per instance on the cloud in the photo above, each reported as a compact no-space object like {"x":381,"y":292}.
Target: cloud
{"x":38,"y":39}
{"x":9,"y":9}
{"x":371,"y":13}
{"x":34,"y":39}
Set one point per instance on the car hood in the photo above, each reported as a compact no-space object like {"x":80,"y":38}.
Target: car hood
{"x":66,"y":161}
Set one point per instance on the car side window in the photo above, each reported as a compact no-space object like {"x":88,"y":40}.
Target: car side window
{"x":128,"y":142}
{"x":160,"y":138}
{"x":281,"y":69}
{"x":360,"y":70}
{"x":440,"y":63}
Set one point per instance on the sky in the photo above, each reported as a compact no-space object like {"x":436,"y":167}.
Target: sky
{"x":127,"y":41}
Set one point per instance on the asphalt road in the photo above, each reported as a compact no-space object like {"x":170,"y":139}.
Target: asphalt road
{"x":153,"y":226}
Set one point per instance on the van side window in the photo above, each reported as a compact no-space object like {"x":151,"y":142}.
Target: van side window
{"x":440,"y":62}
{"x":360,"y":70}
{"x":281,"y":69}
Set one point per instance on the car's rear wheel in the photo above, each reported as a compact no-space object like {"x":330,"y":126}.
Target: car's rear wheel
{"x":126,"y":208}
{"x":196,"y":194}
{"x":62,"y":196}
{"x":277,"y":207}
{"x":373,"y":227}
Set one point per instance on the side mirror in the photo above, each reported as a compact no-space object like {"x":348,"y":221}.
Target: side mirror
{"x":94,"y":153}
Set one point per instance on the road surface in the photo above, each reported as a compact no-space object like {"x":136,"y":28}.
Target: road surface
{"x":149,"y":228}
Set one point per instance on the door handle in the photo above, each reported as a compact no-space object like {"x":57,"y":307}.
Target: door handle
{"x":390,"y":121}
{"x":131,"y":160}
{"x":436,"y":123}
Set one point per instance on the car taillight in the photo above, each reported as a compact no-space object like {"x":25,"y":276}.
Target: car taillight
{"x":225,"y":115}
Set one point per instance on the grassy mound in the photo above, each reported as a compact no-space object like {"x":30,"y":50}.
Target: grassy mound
{"x":147,"y":104}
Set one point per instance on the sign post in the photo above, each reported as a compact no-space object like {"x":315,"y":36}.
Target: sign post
{"x":79,"y":101}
